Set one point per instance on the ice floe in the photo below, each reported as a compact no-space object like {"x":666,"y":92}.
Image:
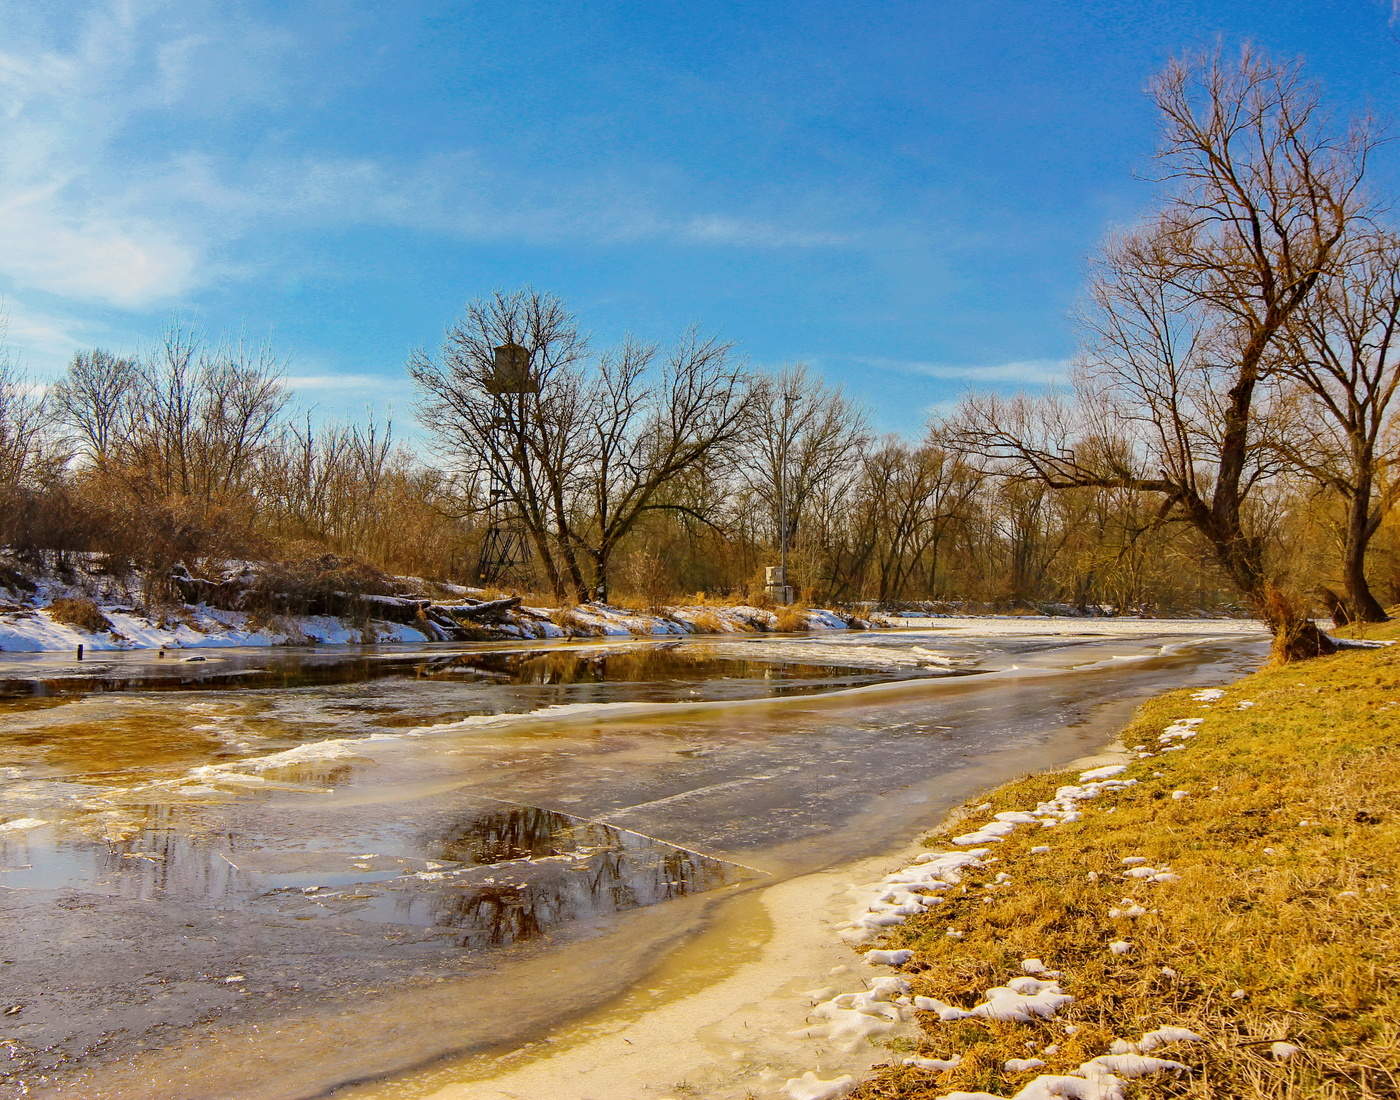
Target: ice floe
{"x":21,"y":824}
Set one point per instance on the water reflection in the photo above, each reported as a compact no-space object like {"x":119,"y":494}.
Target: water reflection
{"x":522,"y":871}
{"x":666,"y":663}
{"x":493,"y":875}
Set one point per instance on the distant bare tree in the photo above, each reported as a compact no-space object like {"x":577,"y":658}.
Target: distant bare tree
{"x":806,"y":437}
{"x":646,"y":428}
{"x":93,"y":401}
{"x":22,"y":424}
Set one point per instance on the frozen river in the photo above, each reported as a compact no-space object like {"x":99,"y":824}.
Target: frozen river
{"x":389,"y":872}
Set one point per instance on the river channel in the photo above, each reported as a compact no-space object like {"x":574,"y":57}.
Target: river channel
{"x":488,"y":870}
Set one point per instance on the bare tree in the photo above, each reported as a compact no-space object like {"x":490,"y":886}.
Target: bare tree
{"x":1187,"y":315}
{"x":22,"y":423}
{"x":586,"y":446}
{"x":646,"y":429}
{"x":806,"y":438}
{"x":93,"y":401}
{"x":525,"y":443}
{"x":1341,"y":351}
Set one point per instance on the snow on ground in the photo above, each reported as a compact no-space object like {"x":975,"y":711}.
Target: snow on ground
{"x":1035,"y":994}
{"x":984,"y":625}
{"x":26,"y":625}
{"x":36,"y":630}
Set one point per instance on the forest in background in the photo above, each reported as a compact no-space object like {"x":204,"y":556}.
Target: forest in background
{"x":1227,"y":442}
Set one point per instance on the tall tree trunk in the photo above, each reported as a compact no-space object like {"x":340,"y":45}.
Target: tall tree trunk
{"x":601,"y":556}
{"x":566,"y":550}
{"x":551,"y":568}
{"x":1364,"y":606}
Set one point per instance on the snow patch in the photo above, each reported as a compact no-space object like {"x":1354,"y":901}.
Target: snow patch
{"x":811,"y":1087}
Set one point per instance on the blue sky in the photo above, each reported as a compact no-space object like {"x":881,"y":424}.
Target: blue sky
{"x":902,"y":194}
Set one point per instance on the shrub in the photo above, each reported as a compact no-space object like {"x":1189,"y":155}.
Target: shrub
{"x":324,"y":585}
{"x":80,"y":613}
{"x":790,"y":618}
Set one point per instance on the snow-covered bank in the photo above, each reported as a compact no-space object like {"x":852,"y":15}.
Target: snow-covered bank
{"x":36,"y":615}
{"x":36,"y":629}
{"x":33,"y":618}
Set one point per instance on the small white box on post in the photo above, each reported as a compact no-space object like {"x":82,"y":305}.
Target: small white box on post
{"x":775,"y":581}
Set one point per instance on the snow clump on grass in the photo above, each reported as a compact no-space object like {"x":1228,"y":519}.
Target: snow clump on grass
{"x":811,"y":1087}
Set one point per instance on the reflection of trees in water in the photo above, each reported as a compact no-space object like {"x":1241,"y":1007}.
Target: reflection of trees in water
{"x":538,"y":869}
{"x":523,"y":871}
{"x":564,"y":667}
{"x":668,"y":664}
{"x":517,"y":832}
{"x":162,"y":854}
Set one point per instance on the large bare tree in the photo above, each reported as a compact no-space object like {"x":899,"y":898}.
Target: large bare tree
{"x":527,"y":444}
{"x":646,"y":427}
{"x":1187,"y":315}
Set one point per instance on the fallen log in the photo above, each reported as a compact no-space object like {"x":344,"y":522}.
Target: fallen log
{"x":481,"y":611}
{"x":442,"y":622}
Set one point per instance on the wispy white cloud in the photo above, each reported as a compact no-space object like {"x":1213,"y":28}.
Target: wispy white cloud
{"x":340,"y":382}
{"x":71,"y":223}
{"x":1026,"y":372}
{"x":726,"y":230}
{"x":36,"y":337}
{"x":91,"y":212}
{"x":454,"y":195}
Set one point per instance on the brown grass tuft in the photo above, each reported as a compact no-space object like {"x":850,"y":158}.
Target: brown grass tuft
{"x":791,"y":618}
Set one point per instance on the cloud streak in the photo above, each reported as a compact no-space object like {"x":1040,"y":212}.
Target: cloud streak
{"x":338,"y":382}
{"x":1025,"y":372}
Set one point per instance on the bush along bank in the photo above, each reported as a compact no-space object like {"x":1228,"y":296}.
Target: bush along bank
{"x":1214,"y":917}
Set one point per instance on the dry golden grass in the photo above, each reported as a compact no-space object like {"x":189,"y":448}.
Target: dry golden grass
{"x":790,"y":618}
{"x":707,"y":622}
{"x":1277,"y":930}
{"x":1388,"y":631}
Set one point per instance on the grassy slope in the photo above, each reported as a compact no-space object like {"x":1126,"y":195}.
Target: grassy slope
{"x":1388,"y":631}
{"x":1322,"y":745}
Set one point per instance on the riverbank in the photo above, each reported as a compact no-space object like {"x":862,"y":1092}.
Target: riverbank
{"x":1215,"y":916}
{"x":329,"y":602}
{"x":85,"y":601}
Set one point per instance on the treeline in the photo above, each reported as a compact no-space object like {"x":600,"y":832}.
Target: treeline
{"x":190,"y":455}
{"x":640,"y":474}
{"x":650,"y":473}
{"x":1228,"y":441}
